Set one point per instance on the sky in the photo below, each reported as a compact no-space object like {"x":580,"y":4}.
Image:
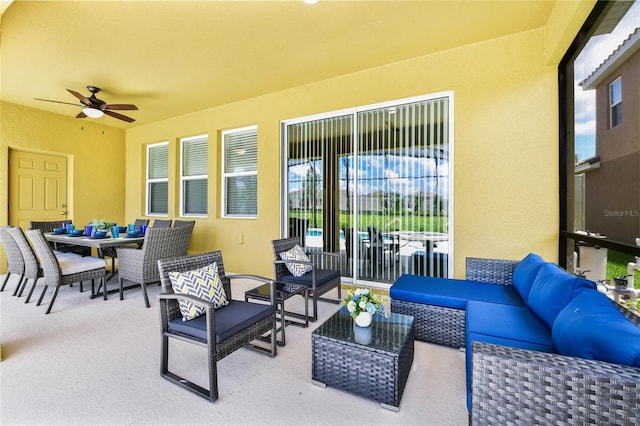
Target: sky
{"x":594,"y":54}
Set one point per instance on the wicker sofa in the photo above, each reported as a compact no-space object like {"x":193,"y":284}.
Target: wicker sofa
{"x":523,"y":366}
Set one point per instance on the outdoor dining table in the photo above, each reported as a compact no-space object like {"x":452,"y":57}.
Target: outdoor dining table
{"x":107,"y":242}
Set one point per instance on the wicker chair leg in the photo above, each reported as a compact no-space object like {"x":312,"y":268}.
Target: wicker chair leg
{"x":81,"y":287}
{"x":44,"y":290}
{"x":23,"y":285}
{"x":103,"y":284}
{"x":15,"y":292}
{"x":213,"y":372}
{"x":121,"y":289}
{"x":33,"y":287}
{"x":53,"y":299}
{"x":144,"y":293}
{"x":4,"y":283}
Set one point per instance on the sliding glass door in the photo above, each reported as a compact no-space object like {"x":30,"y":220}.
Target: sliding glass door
{"x":373,"y":184}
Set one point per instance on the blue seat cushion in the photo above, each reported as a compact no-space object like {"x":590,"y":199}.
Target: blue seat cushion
{"x":323,"y":276}
{"x":507,"y":325}
{"x":525,"y":273}
{"x":552,"y":290}
{"x":229,"y":320}
{"x":451,"y":293}
{"x":591,"y":327}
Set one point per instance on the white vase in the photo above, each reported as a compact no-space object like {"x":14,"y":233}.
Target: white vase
{"x":362,"y":335}
{"x":363,"y":319}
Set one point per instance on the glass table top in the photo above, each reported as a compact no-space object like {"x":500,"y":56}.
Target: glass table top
{"x":385,"y":333}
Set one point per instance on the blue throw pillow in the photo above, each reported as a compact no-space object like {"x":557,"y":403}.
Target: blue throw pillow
{"x":591,"y":327}
{"x":525,"y":273}
{"x":552,"y":290}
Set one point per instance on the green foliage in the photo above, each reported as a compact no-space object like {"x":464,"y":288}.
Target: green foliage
{"x":617,"y":266}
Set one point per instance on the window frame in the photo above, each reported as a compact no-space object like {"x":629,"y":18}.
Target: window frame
{"x":184,"y":179}
{"x":227,"y":175}
{"x":614,"y":107}
{"x":150,"y":181}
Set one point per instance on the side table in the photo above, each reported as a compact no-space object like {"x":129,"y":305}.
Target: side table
{"x":283,"y":292}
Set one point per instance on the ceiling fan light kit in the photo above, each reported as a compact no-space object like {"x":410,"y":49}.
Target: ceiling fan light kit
{"x":93,"y":107}
{"x":92,"y":112}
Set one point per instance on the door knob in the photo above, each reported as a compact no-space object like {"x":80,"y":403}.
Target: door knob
{"x":63,"y":213}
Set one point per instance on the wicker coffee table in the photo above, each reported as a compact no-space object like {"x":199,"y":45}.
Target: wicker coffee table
{"x":375,"y":365}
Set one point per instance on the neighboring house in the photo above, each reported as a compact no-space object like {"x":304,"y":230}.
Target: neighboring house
{"x":615,"y":213}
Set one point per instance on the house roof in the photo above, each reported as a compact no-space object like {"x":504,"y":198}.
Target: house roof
{"x":176,"y":57}
{"x":627,"y":48}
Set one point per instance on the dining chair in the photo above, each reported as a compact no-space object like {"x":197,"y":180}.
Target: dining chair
{"x":141,"y":265}
{"x":15,"y":262}
{"x":139,"y":222}
{"x":58,"y":273}
{"x":162,"y":223}
{"x":49,"y":226}
{"x":318,"y":271}
{"x":177,"y":223}
{"x":221,"y":330}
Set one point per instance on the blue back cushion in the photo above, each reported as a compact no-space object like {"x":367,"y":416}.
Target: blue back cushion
{"x":591,"y":327}
{"x":552,"y":290}
{"x":525,"y":273}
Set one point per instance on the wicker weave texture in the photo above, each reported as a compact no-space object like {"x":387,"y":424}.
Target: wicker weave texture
{"x":170,"y":310}
{"x":319,"y":260}
{"x":374,"y":374}
{"x":516,"y":386}
{"x":494,"y":271}
{"x":141,"y":265}
{"x":434,"y":324}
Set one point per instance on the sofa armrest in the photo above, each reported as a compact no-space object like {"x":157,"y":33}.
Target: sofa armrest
{"x":494,"y":271}
{"x":517,"y":386}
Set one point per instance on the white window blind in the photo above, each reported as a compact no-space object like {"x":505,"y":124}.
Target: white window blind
{"x":240,"y":172}
{"x":158,"y":179}
{"x":194,"y":176}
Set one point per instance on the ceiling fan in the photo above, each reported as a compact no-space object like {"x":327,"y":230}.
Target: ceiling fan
{"x":94,"y":107}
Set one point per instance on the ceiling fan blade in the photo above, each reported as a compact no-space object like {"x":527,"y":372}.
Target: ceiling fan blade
{"x":119,"y":116}
{"x":58,"y":102}
{"x":121,"y":106}
{"x":81,"y":115}
{"x":82,"y":98}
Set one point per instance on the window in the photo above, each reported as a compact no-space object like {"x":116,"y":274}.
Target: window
{"x":373,"y":182}
{"x":615,"y":102}
{"x":194,"y":176}
{"x":158,"y":179}
{"x":240,"y":172}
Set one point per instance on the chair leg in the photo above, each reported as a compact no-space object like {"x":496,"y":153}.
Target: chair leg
{"x":44,"y":290}
{"x":103,"y":284}
{"x":15,"y":292}
{"x":23,"y":286}
{"x":6,"y":278}
{"x":315,"y":306}
{"x":53,"y":299}
{"x":144,"y":293}
{"x":81,"y":287}
{"x":121,"y":289}
{"x":213,"y":371}
{"x":33,"y":287}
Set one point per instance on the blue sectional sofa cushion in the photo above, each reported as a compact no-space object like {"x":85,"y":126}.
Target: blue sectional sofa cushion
{"x":525,"y":273}
{"x":507,"y":325}
{"x":451,"y":293}
{"x":591,"y":327}
{"x":552,"y":290}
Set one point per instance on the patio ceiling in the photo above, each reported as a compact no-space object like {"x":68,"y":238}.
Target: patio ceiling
{"x":175,"y":57}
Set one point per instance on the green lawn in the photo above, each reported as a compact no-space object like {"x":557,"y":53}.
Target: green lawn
{"x":617,"y":266}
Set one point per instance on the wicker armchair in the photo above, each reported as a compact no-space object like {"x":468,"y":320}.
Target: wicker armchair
{"x":15,"y":261}
{"x":221,"y":331}
{"x":141,"y":265}
{"x":177,"y":223}
{"x":57,"y":273}
{"x":324,"y":275}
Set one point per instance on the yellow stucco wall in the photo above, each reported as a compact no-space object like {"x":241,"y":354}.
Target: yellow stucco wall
{"x":96,"y":159}
{"x":505,"y":142}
